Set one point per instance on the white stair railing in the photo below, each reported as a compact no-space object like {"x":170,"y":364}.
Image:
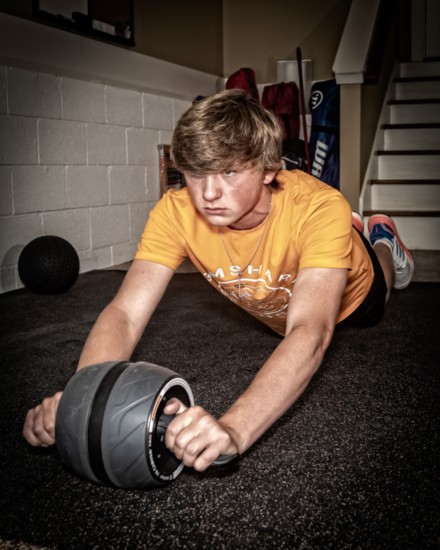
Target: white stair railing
{"x":351,"y":57}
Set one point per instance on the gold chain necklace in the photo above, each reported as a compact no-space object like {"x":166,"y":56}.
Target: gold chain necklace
{"x":239,"y":273}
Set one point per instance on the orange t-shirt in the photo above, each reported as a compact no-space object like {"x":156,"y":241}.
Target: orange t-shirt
{"x":309,"y":225}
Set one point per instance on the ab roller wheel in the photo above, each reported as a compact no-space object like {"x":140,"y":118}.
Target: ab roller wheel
{"x":110,"y":425}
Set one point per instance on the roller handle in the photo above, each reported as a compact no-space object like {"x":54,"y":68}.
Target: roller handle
{"x":222,"y":461}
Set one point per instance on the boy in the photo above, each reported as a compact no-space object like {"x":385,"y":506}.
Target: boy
{"x":279,"y":244}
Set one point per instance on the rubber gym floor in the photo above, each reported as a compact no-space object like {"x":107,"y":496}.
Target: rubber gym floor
{"x":354,"y":464}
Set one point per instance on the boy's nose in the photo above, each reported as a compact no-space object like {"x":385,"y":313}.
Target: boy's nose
{"x":211,"y":188}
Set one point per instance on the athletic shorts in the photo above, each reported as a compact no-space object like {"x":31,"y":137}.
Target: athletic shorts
{"x":371,"y":310}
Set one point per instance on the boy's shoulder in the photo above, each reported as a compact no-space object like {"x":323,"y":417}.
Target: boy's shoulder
{"x":296,"y":180}
{"x":176,"y":206}
{"x":175,"y":199}
{"x":299,"y":185}
{"x":301,"y":195}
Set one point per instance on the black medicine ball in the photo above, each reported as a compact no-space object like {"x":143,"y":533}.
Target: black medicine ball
{"x":48,"y":265}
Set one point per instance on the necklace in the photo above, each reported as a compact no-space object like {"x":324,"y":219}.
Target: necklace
{"x":241,"y":271}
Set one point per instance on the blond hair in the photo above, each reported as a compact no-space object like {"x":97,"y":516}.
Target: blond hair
{"x":224,"y":130}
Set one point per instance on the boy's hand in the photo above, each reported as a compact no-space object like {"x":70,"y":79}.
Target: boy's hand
{"x":39,"y":426}
{"x":196,"y":437}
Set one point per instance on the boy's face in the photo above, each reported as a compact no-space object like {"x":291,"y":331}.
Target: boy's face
{"x":238,"y":198}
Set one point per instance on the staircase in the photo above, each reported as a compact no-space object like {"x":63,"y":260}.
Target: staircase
{"x":403,"y":175}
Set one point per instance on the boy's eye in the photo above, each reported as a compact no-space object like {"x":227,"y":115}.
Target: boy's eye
{"x":190,"y":176}
{"x":229,"y":173}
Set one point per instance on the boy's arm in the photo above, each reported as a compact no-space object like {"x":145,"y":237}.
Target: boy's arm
{"x":121,"y":324}
{"x":197,"y":438}
{"x":113,"y":337}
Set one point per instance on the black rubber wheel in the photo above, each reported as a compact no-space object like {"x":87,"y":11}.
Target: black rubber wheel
{"x":110,"y":424}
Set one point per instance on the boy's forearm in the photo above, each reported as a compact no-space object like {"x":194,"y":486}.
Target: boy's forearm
{"x":275,"y":388}
{"x":121,"y":324}
{"x":112,"y":338}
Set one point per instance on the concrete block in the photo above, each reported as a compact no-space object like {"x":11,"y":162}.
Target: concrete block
{"x":124,"y":107}
{"x":38,"y":188}
{"x":132,"y":250}
{"x":15,"y":233}
{"x":62,"y":142}
{"x":142,"y":146}
{"x":158,"y":112}
{"x":33,"y":94}
{"x":165,"y":137}
{"x":84,"y":101}
{"x":87,"y":186}
{"x":18,"y":139}
{"x":153,"y":183}
{"x":97,"y":258}
{"x":3,"y":104}
{"x":8,"y":279}
{"x":72,"y":225}
{"x":5,"y":191}
{"x":179,"y":107}
{"x":110,"y":225}
{"x":127,"y":184}
{"x":122,"y":253}
{"x":138,"y":218}
{"x":106,"y":144}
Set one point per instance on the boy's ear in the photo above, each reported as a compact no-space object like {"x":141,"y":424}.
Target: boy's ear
{"x":268,"y":177}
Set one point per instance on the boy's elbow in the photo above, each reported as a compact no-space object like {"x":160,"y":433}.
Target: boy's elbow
{"x":323,"y":338}
{"x":327,"y":336}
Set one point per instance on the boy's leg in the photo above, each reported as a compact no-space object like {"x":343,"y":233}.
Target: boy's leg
{"x":394,"y":258}
{"x":385,"y":258}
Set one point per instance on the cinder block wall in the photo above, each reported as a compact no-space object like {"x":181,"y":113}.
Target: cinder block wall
{"x":78,"y":159}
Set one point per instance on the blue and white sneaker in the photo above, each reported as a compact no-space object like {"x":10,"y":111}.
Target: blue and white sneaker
{"x":383,"y":230}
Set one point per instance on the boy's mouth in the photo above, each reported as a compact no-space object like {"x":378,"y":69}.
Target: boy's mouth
{"x":215,"y":211}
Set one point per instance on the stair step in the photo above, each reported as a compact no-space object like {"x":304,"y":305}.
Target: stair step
{"x":411,"y":126}
{"x":411,"y":195}
{"x":430,"y":152}
{"x":421,"y":78}
{"x":404,"y":182}
{"x":416,"y":88}
{"x":393,"y":212}
{"x":422,"y":101}
{"x":409,"y":137}
{"x":419,"y":111}
{"x":408,"y":165}
{"x":418,"y":230}
{"x":421,"y":68}
{"x":427,"y":266}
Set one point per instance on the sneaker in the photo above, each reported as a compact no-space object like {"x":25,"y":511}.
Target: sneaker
{"x":357,"y":221}
{"x":383,"y":230}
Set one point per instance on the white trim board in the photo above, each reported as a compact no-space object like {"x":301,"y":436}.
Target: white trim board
{"x":27,"y":44}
